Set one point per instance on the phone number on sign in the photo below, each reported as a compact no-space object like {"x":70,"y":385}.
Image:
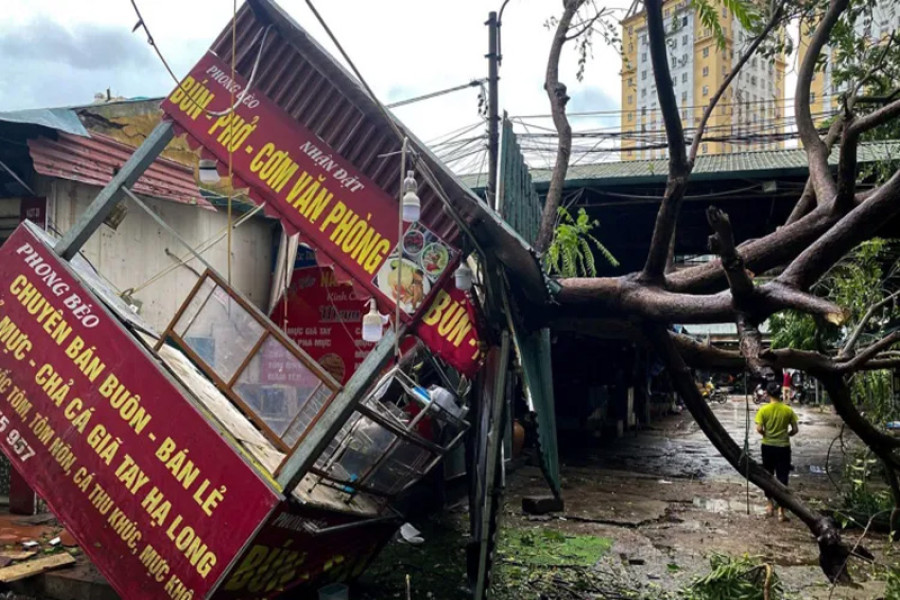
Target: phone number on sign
{"x":14,"y":440}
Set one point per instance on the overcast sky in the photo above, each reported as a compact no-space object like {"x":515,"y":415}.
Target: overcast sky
{"x":56,"y":53}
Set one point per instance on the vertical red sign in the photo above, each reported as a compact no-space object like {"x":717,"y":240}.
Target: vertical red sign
{"x":324,"y":317}
{"x":153,"y":493}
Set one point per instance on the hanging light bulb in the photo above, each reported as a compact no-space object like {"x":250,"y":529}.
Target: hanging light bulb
{"x":207,"y":171}
{"x":373,"y":323}
{"x":412,"y":207}
{"x":463,"y":277}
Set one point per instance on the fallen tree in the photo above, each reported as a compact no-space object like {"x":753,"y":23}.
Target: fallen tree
{"x":831,"y":217}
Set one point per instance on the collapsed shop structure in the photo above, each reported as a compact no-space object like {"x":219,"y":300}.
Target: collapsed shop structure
{"x":214,"y":456}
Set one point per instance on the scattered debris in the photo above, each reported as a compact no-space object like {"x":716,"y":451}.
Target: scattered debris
{"x":411,"y":535}
{"x":30,"y":544}
{"x":34,"y":567}
{"x":55,"y":541}
{"x":17,"y":554}
{"x":541,"y":505}
{"x":67,"y":539}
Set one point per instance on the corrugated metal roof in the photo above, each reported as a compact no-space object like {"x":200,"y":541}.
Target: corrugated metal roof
{"x":307,"y":83}
{"x":60,"y":119}
{"x":520,"y":204}
{"x":95,"y":160}
{"x":719,"y":166}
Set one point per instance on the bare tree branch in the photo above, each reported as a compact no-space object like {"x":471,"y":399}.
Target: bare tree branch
{"x":707,"y":112}
{"x":854,"y":337}
{"x":815,"y":147}
{"x":871,"y":352}
{"x":832,"y":551}
{"x":858,"y":225}
{"x":774,"y":250}
{"x":556,"y":92}
{"x":679,"y":168}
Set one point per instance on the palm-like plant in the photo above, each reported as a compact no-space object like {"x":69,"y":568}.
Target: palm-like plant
{"x":571,"y":253}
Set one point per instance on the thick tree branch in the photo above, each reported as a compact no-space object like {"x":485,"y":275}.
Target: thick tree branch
{"x":816,"y":151}
{"x":808,"y":198}
{"x":872,"y":351}
{"x":832,"y":551}
{"x":722,"y":243}
{"x":774,"y":250}
{"x":857,"y":226}
{"x":881,"y":443}
{"x":707,"y":112}
{"x":854,"y":337}
{"x":556,"y":93}
{"x":679,"y":168}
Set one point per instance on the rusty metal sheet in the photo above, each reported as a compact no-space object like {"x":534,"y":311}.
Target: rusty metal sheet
{"x":95,"y":160}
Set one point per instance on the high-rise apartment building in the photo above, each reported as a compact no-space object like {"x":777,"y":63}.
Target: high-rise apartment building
{"x":824,"y":92}
{"x":746,"y":116}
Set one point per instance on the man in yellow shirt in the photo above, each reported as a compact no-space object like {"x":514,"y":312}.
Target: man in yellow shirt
{"x":777,"y":423}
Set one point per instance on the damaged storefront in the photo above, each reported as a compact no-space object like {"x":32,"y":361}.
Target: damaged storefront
{"x":223,"y":446}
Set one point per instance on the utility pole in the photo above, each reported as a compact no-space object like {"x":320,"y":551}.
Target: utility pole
{"x":493,"y":57}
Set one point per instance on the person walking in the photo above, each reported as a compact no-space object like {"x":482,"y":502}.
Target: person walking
{"x":777,"y":423}
{"x":787,"y":383}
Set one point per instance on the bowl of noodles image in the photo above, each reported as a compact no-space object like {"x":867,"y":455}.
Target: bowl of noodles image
{"x":406,"y":282}
{"x":434,"y":259}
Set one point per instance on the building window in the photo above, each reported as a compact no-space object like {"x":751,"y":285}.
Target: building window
{"x":705,"y":91}
{"x":631,"y":82}
{"x":704,"y":148}
{"x":753,"y":80}
{"x":644,"y":75}
{"x":724,"y":13}
{"x":706,"y":71}
{"x":630,"y":100}
{"x":706,"y":52}
{"x":643,"y":111}
{"x":630,"y":116}
{"x":643,"y":57}
{"x":684,"y":96}
{"x":631,"y":30}
{"x":643,"y":92}
{"x":812,"y":97}
{"x":684,"y":78}
{"x":684,"y":40}
{"x":684,"y":22}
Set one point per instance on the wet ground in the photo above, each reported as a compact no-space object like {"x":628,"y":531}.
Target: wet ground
{"x":657,"y":503}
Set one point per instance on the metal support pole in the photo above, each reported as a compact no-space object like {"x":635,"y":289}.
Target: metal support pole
{"x":493,"y":57}
{"x":167,"y":227}
{"x":110,"y":195}
{"x":336,"y":414}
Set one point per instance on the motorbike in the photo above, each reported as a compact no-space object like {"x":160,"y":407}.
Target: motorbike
{"x":759,"y":394}
{"x":711,"y":393}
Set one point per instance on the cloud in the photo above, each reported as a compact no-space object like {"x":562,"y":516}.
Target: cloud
{"x":86,"y":46}
{"x":591,"y":98}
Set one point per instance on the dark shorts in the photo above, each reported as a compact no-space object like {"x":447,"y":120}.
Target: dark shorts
{"x":777,"y":461}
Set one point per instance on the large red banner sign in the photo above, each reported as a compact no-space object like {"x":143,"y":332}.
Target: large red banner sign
{"x":339,"y":210}
{"x":153,"y":493}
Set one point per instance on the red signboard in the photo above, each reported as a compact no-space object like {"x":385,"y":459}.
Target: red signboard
{"x":304,"y":546}
{"x":324,"y":317}
{"x":448,"y":328}
{"x":339,"y":210}
{"x":154,"y":494}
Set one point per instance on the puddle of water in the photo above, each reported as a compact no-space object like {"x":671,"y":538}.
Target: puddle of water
{"x":722,"y":505}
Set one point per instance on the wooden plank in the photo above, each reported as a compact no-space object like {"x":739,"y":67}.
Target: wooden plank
{"x":35,"y":567}
{"x":17,"y":554}
{"x":110,"y":195}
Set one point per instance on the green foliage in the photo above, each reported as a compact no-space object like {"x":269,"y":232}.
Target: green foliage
{"x":708,"y":14}
{"x":571,"y":253}
{"x":866,"y":276}
{"x":861,"y":499}
{"x":730,"y":578}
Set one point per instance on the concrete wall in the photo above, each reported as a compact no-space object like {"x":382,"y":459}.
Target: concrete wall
{"x":136,"y":252}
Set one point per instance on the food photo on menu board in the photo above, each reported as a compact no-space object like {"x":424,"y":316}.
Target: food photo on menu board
{"x":410,"y":277}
